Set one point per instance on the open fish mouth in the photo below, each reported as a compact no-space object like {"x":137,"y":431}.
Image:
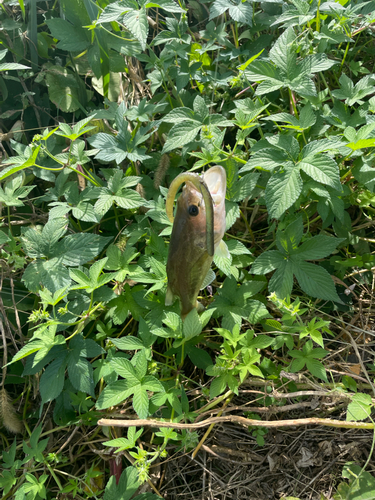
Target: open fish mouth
{"x":215,"y":178}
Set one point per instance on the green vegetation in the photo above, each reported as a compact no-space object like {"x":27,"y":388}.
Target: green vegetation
{"x":103,"y":103}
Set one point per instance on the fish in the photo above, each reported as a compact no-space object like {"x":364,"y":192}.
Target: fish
{"x":198,"y":229}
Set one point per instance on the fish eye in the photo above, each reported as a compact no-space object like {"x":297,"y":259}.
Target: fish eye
{"x":193,"y":210}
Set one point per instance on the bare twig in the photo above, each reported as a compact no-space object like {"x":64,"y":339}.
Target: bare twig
{"x":236,"y":419}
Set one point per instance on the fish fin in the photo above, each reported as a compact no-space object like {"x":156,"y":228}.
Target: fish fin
{"x":210,"y":276}
{"x":169,"y":297}
{"x":222,"y":250}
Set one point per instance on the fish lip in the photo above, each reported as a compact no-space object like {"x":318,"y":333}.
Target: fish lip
{"x":216,"y":180}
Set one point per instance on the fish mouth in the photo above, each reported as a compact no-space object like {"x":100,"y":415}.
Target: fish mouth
{"x":216,"y":180}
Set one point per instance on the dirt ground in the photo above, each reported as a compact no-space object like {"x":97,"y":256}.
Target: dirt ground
{"x":299,"y":462}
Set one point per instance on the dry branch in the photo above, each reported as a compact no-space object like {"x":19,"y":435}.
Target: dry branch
{"x":235,"y":419}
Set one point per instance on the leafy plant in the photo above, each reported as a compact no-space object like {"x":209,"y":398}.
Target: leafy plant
{"x":103,"y":104}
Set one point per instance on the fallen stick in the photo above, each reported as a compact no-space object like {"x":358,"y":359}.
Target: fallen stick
{"x":326,"y":422}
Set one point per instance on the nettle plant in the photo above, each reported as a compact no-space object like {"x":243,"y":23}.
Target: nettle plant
{"x":253,"y":91}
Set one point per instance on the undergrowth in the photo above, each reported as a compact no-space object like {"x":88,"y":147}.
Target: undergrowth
{"x":102,"y":104}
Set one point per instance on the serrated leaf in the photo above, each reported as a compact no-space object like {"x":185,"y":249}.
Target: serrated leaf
{"x":257,"y":311}
{"x":129,"y":343}
{"x":244,"y":187}
{"x":315,"y":281}
{"x":81,"y":375}
{"x":140,"y":402}
{"x":3,"y":238}
{"x":181,"y":134}
{"x":267,"y":159}
{"x":317,"y":247}
{"x":218,"y":385}
{"x":260,"y":70}
{"x":125,"y":369}
{"x":282,"y":280}
{"x":51,"y":274}
{"x":242,"y":12}
{"x":12,"y":66}
{"x":192,"y":325}
{"x":114,"y":394}
{"x":137,"y":24}
{"x":52,"y":380}
{"x":224,"y":264}
{"x":126,"y":487}
{"x":359,"y":408}
{"x":316,"y":368}
{"x":268,"y":261}
{"x":71,"y":38}
{"x":322,"y":169}
{"x":282,"y":190}
{"x":77,"y":249}
{"x":151,"y":383}
{"x":235,"y":247}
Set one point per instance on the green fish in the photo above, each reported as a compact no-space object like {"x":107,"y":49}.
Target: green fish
{"x":197,"y":233}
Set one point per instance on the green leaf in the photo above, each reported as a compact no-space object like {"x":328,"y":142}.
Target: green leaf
{"x":115,"y":394}
{"x":35,"y":485}
{"x":52,"y":380}
{"x":151,"y":383}
{"x":26,"y":163}
{"x":360,"y":407}
{"x":126,"y":487}
{"x":36,"y":448}
{"x":354,"y":94}
{"x":51,"y":274}
{"x":125,"y":369}
{"x":67,"y":92}
{"x":181,"y":134}
{"x":192,"y":325}
{"x":244,"y":187}
{"x":140,"y":402}
{"x":282,"y":280}
{"x":282,"y":190}
{"x":317,"y":369}
{"x":317,"y":247}
{"x":7,"y":481}
{"x":238,"y":11}
{"x":81,"y":375}
{"x":235,"y":247}
{"x":129,"y":343}
{"x":77,"y":249}
{"x":71,"y":38}
{"x":322,"y":169}
{"x":137,"y":24}
{"x":361,"y":484}
{"x":218,"y":385}
{"x":268,"y":261}
{"x":3,"y":238}
{"x":200,"y":109}
{"x":315,"y":281}
{"x":283,"y":52}
{"x":242,"y":12}
{"x":12,"y":66}
{"x":267,"y":159}
{"x":260,"y":70}
{"x":125,"y":443}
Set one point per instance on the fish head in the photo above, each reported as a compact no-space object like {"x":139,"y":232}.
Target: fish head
{"x":198,"y":228}
{"x":190,"y":221}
